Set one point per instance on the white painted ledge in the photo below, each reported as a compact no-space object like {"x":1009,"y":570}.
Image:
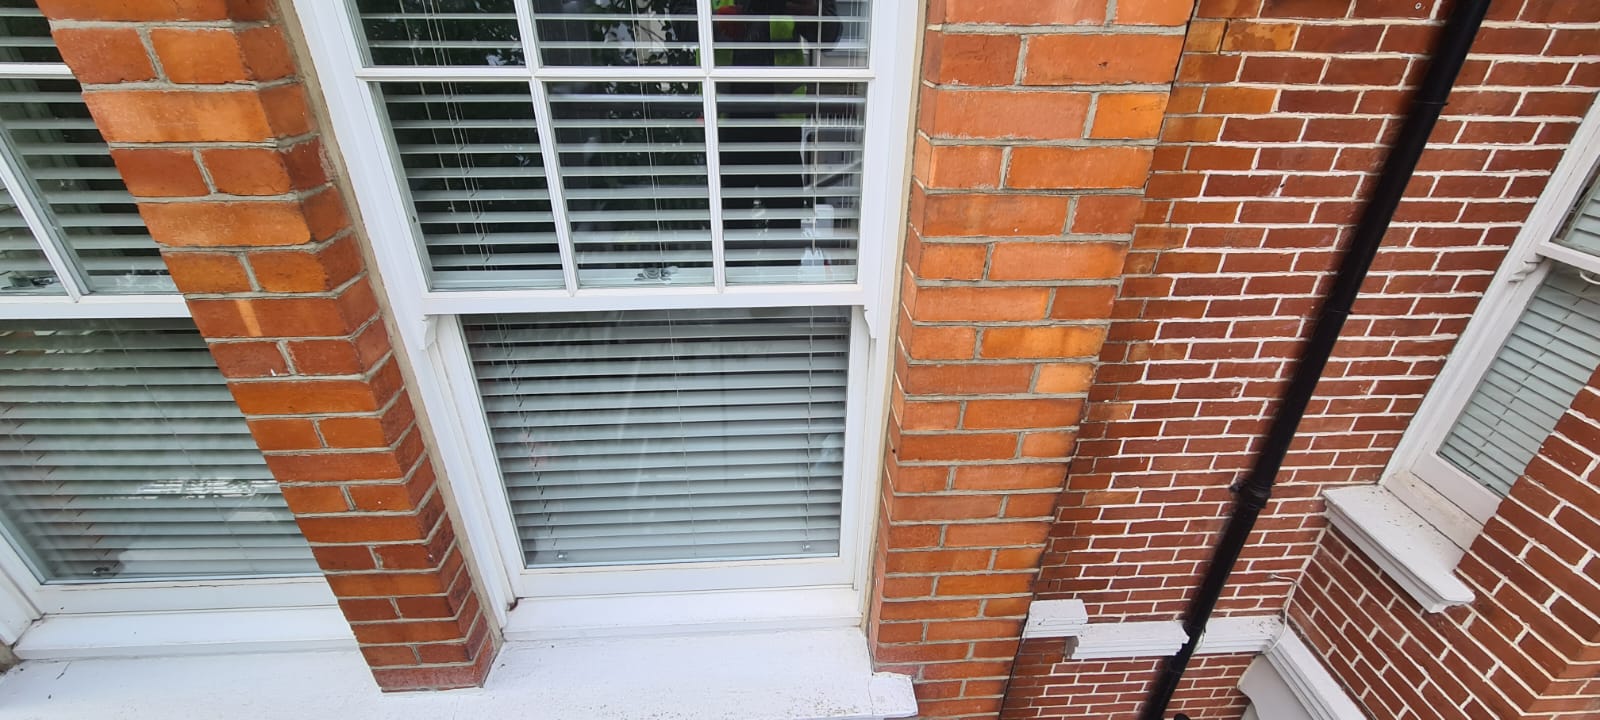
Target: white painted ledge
{"x":1288,"y":682}
{"x":1246,"y":634}
{"x":1055,"y":618}
{"x":1105,"y":641}
{"x":1417,"y":556}
{"x":73,"y":637}
{"x":799,"y":675}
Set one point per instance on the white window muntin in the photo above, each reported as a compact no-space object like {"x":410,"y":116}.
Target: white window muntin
{"x":429,"y":329}
{"x":1435,"y":488}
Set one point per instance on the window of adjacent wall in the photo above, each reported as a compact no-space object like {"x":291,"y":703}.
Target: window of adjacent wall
{"x":1532,"y":347}
{"x":646,"y":245}
{"x":126,"y":469}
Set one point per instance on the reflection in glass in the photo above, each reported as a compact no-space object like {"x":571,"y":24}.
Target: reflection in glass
{"x":791,"y":180}
{"x":470,"y":156}
{"x":635,"y":33}
{"x":633,"y":171}
{"x":61,"y":151}
{"x":1583,"y":229}
{"x":124,"y":457}
{"x":24,"y":270}
{"x":790,"y":33}
{"x":441,"y":32}
{"x":25,"y":34}
{"x":670,"y":435}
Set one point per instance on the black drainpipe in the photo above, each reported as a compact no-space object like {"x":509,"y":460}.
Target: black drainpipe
{"x":1253,"y":493}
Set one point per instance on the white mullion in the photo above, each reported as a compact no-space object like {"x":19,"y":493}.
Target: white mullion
{"x":1579,"y":259}
{"x":31,"y":207}
{"x":684,"y":73}
{"x":462,"y":302}
{"x":708,"y":95}
{"x":548,"y":153}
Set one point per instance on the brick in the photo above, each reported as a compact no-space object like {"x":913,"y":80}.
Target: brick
{"x":956,"y":304}
{"x":180,"y":116}
{"x":1024,"y":12}
{"x":966,"y":379}
{"x":1055,"y":261}
{"x":199,"y":55}
{"x":993,"y":215}
{"x":1041,"y":342}
{"x":316,"y":271}
{"x":300,"y":397}
{"x":1020,"y":414}
{"x":160,"y":173}
{"x":205,"y":272}
{"x":284,"y":434}
{"x":1170,"y":13}
{"x":948,"y":261}
{"x":1033,"y":114}
{"x":1105,"y":214}
{"x":249,"y":359}
{"x":104,"y":55}
{"x":227,"y":224}
{"x":247,"y":171}
{"x":960,"y":59}
{"x":247,"y":10}
{"x":1097,"y":167}
{"x":1128,"y":115}
{"x":964,"y":167}
{"x":1101,"y":59}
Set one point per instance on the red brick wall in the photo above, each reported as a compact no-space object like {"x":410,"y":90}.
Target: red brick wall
{"x":1271,"y":133}
{"x":210,"y":129}
{"x":1046,"y":686}
{"x":1035,"y":134}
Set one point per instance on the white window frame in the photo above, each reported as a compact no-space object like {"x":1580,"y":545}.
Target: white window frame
{"x":24,"y":600}
{"x":1454,"y":502}
{"x":809,"y":592}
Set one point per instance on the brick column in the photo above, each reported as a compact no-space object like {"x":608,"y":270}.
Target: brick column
{"x":1036,"y":131}
{"x":210,"y":129}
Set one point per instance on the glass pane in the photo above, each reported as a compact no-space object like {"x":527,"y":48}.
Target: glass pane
{"x":440,"y":32}
{"x":1547,"y":358}
{"x":470,"y":155}
{"x":25,"y":34}
{"x":668,"y":436}
{"x":1583,"y":230}
{"x":633,"y":170}
{"x":617,"y":32}
{"x":63,"y":154}
{"x":791,"y":33}
{"x":23,"y":267}
{"x":124,"y":457}
{"x":791,"y":180}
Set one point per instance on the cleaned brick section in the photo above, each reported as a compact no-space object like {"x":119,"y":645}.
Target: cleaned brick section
{"x":211,"y":131}
{"x":1027,"y":185}
{"x":1271,"y":133}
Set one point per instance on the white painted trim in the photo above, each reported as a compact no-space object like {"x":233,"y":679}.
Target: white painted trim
{"x":1290,"y":683}
{"x":17,"y":613}
{"x":1399,"y":541}
{"x":1106,"y":641}
{"x":1239,"y":634}
{"x":1519,"y":275}
{"x":447,"y":387}
{"x":803,"y":675}
{"x":37,"y":307}
{"x":648,"y":614}
{"x":69,"y":637}
{"x":1055,"y":618}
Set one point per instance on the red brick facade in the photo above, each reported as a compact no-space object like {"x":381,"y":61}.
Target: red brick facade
{"x":213,"y":134}
{"x":1121,"y":215}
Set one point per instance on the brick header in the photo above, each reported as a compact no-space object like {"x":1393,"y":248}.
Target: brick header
{"x":212,"y":133}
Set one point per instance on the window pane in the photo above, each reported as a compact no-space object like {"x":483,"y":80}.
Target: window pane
{"x":124,"y":458}
{"x":663,"y":436}
{"x":791,"y":180}
{"x":470,"y":154}
{"x":1583,"y":230}
{"x":63,"y":154}
{"x":1545,"y":361}
{"x":791,"y":33}
{"x":440,"y":32}
{"x":23,"y":267}
{"x":25,"y":34}
{"x":617,"y":32}
{"x":633,"y":170}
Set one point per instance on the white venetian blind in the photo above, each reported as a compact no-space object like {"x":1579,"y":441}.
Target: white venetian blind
{"x":59,"y":150}
{"x":1583,"y":229}
{"x":1547,"y":358}
{"x":674,"y":435}
{"x":25,"y":34}
{"x":123,"y":457}
{"x":24,"y":270}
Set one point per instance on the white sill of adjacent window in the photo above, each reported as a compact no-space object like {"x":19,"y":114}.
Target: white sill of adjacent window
{"x":1411,"y":551}
{"x":192,"y":632}
{"x":806,"y":674}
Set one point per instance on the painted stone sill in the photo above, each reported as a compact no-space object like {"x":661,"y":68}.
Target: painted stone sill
{"x":1405,"y":546}
{"x":1288,"y":682}
{"x":731,"y":676}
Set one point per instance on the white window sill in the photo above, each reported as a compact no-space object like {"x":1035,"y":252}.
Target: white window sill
{"x":1288,"y":682}
{"x":776,"y":676}
{"x":1417,"y":556}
